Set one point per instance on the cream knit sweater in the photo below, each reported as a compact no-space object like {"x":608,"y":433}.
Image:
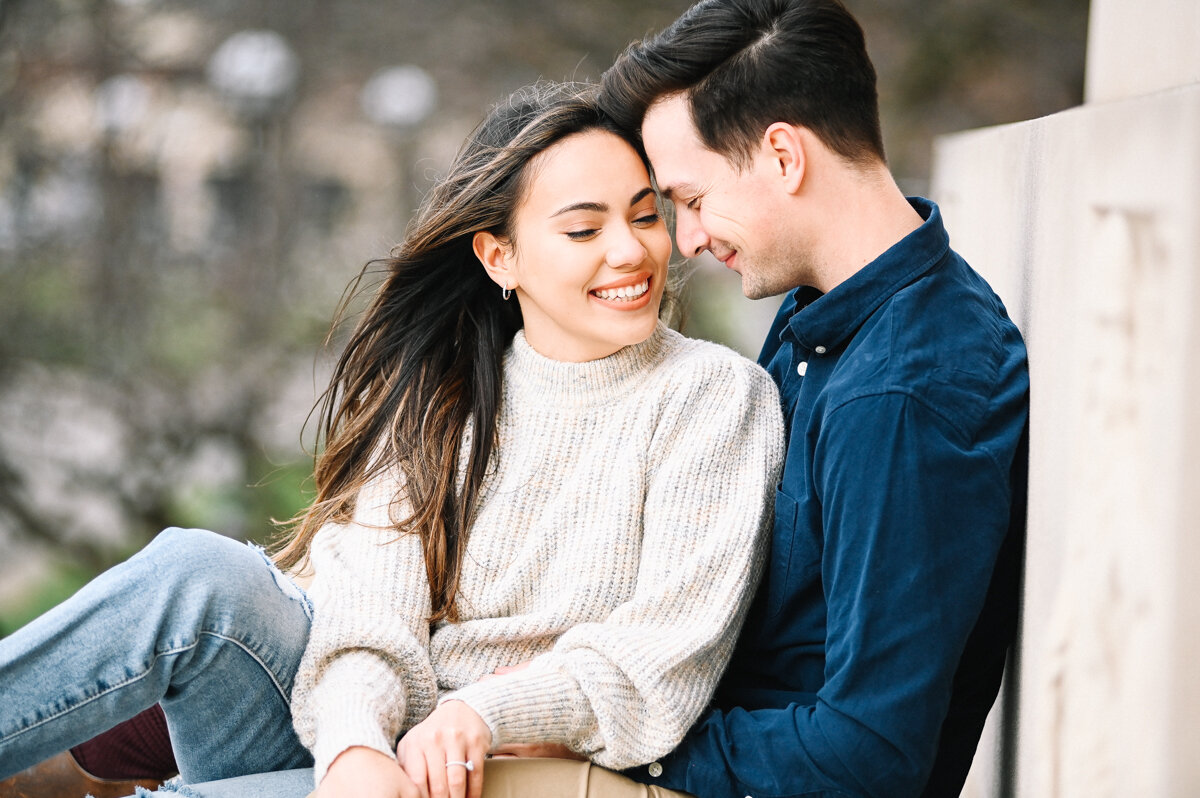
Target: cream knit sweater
{"x":617,"y":546}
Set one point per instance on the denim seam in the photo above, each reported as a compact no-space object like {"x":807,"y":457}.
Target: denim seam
{"x":170,"y":652}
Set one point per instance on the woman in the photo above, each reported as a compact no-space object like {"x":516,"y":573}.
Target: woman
{"x":522,"y":466}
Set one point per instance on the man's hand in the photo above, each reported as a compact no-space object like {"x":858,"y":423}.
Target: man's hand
{"x":366,"y":773}
{"x":537,"y":750}
{"x":530,"y":750}
{"x":453,"y":733}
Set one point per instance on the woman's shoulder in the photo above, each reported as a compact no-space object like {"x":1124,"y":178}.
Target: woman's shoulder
{"x":702,"y":365}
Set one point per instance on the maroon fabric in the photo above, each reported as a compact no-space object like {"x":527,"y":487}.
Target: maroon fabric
{"x":139,"y":748}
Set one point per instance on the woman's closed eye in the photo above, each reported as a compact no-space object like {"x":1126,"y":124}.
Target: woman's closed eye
{"x":645,"y":220}
{"x":583,"y":235}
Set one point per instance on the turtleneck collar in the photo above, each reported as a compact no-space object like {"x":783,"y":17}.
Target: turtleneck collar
{"x":530,"y":376}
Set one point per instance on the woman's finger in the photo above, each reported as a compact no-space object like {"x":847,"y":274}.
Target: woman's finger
{"x":438,"y":773}
{"x":412,"y":762}
{"x":475,"y":776}
{"x":459,"y":768}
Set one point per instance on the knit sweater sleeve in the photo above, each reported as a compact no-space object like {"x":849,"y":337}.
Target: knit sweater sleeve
{"x":366,"y":674}
{"x":624,"y":691}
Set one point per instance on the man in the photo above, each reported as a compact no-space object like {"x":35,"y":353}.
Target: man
{"x":878,"y":636}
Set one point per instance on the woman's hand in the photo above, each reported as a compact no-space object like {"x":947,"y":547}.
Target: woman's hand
{"x":365,"y":773}
{"x":445,"y":752}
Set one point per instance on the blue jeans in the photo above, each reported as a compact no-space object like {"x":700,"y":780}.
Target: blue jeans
{"x":196,"y":622}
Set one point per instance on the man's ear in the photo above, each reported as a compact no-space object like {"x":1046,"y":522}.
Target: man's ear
{"x":784,"y":147}
{"x":495,"y":253}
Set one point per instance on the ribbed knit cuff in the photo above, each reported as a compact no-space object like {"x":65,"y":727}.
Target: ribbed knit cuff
{"x":356,"y":701}
{"x":528,"y":706}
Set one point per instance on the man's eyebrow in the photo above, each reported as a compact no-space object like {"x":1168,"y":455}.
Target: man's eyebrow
{"x":685,"y":189}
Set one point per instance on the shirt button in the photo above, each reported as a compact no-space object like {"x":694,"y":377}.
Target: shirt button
{"x":802,"y":368}
{"x":820,"y":350}
{"x":655,"y":769}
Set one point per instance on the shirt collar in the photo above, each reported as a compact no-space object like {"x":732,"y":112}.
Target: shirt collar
{"x":828,"y":320}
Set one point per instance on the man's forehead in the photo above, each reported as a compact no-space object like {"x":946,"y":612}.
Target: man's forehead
{"x":671,"y":143}
{"x":670,"y":114}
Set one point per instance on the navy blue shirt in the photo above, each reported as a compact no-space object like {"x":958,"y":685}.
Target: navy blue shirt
{"x":877,"y":638}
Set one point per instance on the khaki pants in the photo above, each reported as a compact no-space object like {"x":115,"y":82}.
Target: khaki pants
{"x":562,"y":778}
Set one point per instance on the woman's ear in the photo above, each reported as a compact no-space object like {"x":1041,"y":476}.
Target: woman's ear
{"x":494,"y":253}
{"x":783,"y":145}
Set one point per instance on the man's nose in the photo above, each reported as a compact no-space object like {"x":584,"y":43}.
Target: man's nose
{"x":690,"y":235}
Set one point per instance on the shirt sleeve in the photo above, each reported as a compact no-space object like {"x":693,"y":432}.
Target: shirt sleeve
{"x":624,"y":691}
{"x":914,"y":514}
{"x":366,"y":674}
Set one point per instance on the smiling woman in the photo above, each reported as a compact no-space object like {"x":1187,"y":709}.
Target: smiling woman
{"x":537,"y":525}
{"x":589,"y":261}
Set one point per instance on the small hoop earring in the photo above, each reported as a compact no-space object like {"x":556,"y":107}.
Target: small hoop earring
{"x":506,"y":293}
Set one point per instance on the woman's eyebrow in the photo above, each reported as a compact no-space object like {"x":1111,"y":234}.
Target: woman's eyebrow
{"x":600,"y":207}
{"x":640,"y":195}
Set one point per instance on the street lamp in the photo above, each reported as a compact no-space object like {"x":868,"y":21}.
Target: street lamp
{"x":399,"y":99}
{"x":256,"y":71}
{"x":122,"y":102}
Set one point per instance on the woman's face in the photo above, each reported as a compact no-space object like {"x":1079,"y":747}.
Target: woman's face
{"x":589,"y":258}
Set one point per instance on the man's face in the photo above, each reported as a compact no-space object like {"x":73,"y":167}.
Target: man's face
{"x":718,"y":207}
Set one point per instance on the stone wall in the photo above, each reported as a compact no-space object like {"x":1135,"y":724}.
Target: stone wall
{"x":1087,"y":223}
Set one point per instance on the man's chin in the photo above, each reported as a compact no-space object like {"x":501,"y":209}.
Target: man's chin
{"x":753,"y":289}
{"x":764,"y":281}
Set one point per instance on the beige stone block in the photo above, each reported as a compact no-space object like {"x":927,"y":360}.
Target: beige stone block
{"x":1088,"y":225}
{"x":1140,"y":48}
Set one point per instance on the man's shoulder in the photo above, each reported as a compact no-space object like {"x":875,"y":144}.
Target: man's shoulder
{"x":944,"y":339}
{"x":951,"y":303}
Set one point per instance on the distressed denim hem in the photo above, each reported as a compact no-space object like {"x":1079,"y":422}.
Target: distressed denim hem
{"x":284,"y":582}
{"x":181,"y":790}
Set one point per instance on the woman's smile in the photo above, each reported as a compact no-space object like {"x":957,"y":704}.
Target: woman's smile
{"x":627,"y":294}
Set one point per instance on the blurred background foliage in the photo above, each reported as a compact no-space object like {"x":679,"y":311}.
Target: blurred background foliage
{"x":187,"y":187}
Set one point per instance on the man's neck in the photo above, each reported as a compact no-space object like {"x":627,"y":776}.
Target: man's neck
{"x":863,"y":216}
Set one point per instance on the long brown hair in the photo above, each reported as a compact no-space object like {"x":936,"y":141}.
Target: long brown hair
{"x":424,"y":362}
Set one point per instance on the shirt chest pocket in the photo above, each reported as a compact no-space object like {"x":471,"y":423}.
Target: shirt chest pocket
{"x":795,"y":564}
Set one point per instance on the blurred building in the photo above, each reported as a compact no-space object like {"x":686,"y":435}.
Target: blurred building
{"x":187,"y":188}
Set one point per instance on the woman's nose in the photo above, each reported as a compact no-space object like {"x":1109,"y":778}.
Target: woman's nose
{"x":626,"y":252}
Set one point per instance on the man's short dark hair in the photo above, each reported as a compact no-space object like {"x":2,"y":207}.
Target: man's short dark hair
{"x":745,"y":64}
